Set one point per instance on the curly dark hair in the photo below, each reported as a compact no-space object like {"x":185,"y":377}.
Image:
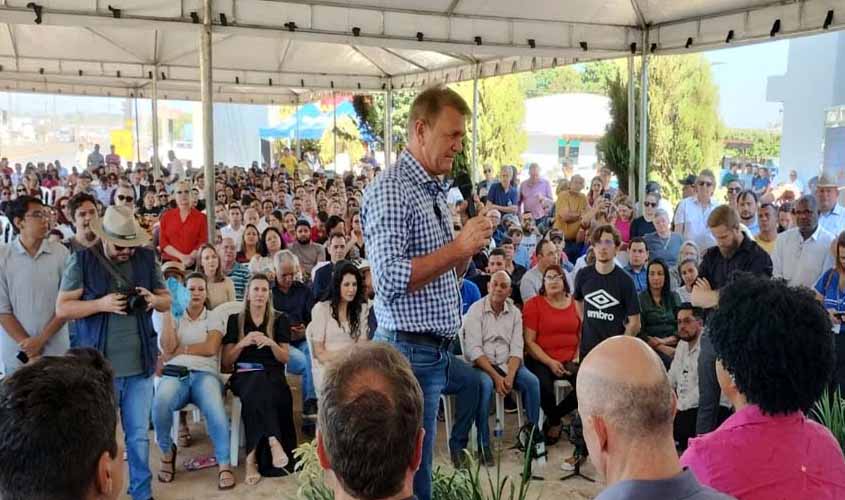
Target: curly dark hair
{"x":776,"y":342}
{"x":353,"y":309}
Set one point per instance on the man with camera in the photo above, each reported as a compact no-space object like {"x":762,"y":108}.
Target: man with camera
{"x":111,"y":290}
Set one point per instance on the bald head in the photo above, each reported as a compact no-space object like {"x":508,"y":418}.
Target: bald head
{"x":623,"y":381}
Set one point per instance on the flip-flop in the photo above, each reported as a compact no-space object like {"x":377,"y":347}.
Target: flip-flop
{"x":220,"y":485}
{"x":199,"y":463}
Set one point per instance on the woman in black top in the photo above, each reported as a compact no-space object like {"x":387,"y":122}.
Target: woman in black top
{"x":644,"y":224}
{"x":256,"y":346}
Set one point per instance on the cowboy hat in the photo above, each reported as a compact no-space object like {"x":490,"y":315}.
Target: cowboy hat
{"x":826,"y":179}
{"x":119,"y":227}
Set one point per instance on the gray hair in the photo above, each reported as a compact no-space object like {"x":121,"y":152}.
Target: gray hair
{"x":369,"y":418}
{"x":640,"y":411}
{"x":661,"y":213}
{"x":285,"y":257}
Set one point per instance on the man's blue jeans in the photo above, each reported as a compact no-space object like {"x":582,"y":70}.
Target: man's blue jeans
{"x":529,"y":388}
{"x":299,"y":363}
{"x":205,"y":390}
{"x":430,"y":366}
{"x":134,"y":396}
{"x":464,"y":383}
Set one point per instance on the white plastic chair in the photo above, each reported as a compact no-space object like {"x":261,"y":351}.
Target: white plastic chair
{"x":195,"y":412}
{"x":236,"y":431}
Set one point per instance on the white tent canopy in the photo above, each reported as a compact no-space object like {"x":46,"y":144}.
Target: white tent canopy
{"x":268,"y":51}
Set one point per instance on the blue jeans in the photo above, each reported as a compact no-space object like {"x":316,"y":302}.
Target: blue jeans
{"x":431,"y":367}
{"x":299,"y":363}
{"x":528,"y":386}
{"x":134,"y":397}
{"x":203,"y":389}
{"x":464,"y":383}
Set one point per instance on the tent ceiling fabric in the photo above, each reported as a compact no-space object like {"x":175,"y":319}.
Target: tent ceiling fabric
{"x":259,"y":56}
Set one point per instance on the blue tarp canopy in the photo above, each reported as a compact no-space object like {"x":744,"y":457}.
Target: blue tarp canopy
{"x":312,"y":122}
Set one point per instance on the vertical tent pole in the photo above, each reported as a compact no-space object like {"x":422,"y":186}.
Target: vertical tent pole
{"x":207,"y":117}
{"x":137,"y":128}
{"x":643,"y":119}
{"x":298,"y":140}
{"x":632,"y":131}
{"x":474,"y":173}
{"x":156,"y":162}
{"x":334,"y":129}
{"x":388,"y":124}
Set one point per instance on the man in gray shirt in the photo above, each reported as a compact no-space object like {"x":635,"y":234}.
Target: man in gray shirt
{"x":626,"y":404}
{"x":30,"y":273}
{"x":308,"y":252}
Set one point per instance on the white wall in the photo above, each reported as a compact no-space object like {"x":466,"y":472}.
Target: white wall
{"x":543,"y":150}
{"x":814,"y":81}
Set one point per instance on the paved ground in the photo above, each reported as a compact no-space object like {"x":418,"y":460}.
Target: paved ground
{"x":202,"y":485}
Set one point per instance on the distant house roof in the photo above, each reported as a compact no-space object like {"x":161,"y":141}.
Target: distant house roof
{"x":582,"y":115}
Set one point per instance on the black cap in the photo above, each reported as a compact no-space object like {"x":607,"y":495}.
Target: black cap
{"x":688,"y":180}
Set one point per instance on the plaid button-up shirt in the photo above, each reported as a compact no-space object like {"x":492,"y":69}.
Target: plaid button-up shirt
{"x":405,"y":215}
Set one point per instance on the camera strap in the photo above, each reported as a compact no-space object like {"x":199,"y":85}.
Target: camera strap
{"x":115,"y":273}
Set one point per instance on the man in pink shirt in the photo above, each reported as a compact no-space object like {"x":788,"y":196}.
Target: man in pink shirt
{"x":535,"y":194}
{"x":774,"y":358}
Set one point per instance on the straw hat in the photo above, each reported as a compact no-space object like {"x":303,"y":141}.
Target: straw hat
{"x":119,"y":227}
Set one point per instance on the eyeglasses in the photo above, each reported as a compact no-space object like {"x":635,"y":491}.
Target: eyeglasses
{"x":649,"y":204}
{"x":705,"y":183}
{"x":124,"y":198}
{"x":734,"y":190}
{"x":552,"y":278}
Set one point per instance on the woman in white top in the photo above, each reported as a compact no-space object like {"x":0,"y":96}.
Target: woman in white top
{"x":338,"y":322}
{"x":191,"y":348}
{"x":688,"y":271}
{"x":270,"y":244}
{"x":221,"y":288}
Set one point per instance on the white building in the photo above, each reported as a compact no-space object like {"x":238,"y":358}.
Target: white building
{"x":814,"y":82}
{"x":565,"y":127}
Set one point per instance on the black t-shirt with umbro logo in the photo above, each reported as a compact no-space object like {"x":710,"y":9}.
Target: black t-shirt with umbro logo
{"x":608,"y":301}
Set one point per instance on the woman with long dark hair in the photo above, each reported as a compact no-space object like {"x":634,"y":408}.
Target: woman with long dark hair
{"x":63,"y":222}
{"x":338,"y":322}
{"x":271,"y":243}
{"x":256,"y":347}
{"x":659,"y":311}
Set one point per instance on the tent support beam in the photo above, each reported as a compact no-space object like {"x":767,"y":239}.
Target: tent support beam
{"x":388,"y":125}
{"x":474,"y":173}
{"x":632,"y":130}
{"x":298,"y":140}
{"x":207,"y":118}
{"x":137,"y":129}
{"x":643,"y":166}
{"x":334,"y":129}
{"x":156,"y":161}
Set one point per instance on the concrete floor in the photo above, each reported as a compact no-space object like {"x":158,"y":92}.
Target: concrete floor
{"x":202,"y":485}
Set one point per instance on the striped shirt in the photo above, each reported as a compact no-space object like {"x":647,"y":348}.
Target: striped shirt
{"x":240,"y":277}
{"x":405,"y":215}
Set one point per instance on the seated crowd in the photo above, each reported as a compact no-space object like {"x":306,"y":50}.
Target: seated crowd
{"x":651,"y":328}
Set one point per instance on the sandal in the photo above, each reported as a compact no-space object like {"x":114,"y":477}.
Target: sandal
{"x":224,"y":484}
{"x":252,"y":474}
{"x":162,"y":471}
{"x":184,"y":439}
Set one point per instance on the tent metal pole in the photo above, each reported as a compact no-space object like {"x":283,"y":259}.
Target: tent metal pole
{"x":298,"y":140}
{"x":474,"y":173}
{"x":388,"y":125}
{"x":334,"y":129}
{"x":156,"y":161}
{"x":207,"y":117}
{"x":643,"y":167}
{"x":632,"y":131}
{"x":137,"y":129}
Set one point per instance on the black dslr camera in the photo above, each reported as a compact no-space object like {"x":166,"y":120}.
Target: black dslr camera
{"x":135,"y":302}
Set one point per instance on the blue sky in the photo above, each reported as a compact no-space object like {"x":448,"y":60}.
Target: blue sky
{"x":740,"y":72}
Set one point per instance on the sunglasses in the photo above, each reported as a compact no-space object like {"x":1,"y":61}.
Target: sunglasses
{"x":119,"y":248}
{"x":734,"y":190}
{"x":127,"y":199}
{"x":650,"y":204}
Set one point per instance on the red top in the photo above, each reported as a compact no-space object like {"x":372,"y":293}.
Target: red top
{"x":754,"y":456}
{"x":558,"y":330}
{"x":185,"y":236}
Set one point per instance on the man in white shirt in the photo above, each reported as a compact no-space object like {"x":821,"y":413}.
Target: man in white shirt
{"x":235,"y":229}
{"x":691,"y":216}
{"x":802,"y":253}
{"x":831,"y":213}
{"x":493,"y":343}
{"x":683,"y":374}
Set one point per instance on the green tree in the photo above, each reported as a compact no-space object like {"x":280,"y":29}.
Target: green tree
{"x":501,"y":111}
{"x":597,"y":75}
{"x":370,"y":111}
{"x":684,"y":127}
{"x":348,"y":141}
{"x":551,"y":81}
{"x":764,"y":143}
